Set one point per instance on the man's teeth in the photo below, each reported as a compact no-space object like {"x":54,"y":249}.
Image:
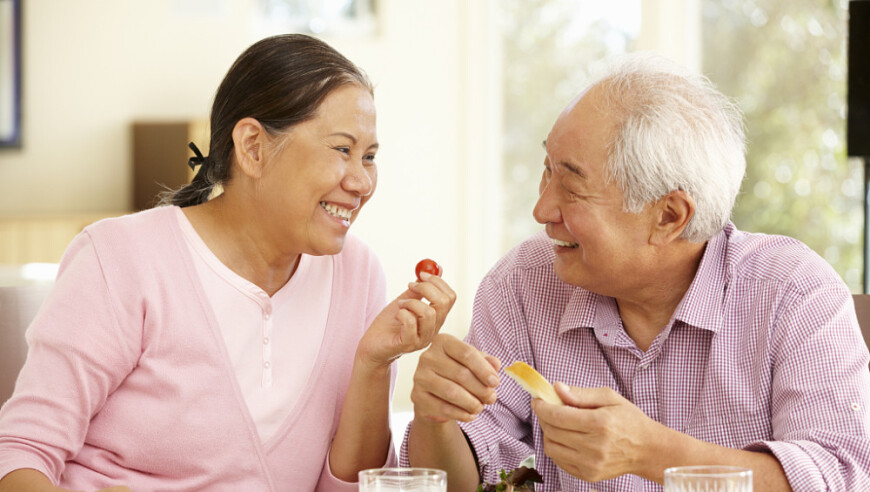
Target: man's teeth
{"x":341,"y":213}
{"x":565,"y":244}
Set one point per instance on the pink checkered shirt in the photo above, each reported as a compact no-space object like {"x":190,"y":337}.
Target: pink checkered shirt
{"x":763,"y":353}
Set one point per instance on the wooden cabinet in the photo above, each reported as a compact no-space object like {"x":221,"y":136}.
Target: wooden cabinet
{"x":160,"y":155}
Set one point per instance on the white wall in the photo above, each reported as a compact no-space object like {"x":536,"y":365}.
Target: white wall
{"x":91,"y":67}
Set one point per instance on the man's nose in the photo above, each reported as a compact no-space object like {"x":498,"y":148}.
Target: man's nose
{"x":546,"y":209}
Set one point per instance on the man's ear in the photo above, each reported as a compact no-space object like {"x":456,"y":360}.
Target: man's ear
{"x":672,"y":214}
{"x":249,"y":139}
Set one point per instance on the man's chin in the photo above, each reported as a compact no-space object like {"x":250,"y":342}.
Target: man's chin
{"x":566,"y":273}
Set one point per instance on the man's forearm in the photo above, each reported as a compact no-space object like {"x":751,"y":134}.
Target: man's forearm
{"x":679,"y":449}
{"x":443,"y":446}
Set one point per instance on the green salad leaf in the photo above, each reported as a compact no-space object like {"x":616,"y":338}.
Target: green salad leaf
{"x":522,"y":479}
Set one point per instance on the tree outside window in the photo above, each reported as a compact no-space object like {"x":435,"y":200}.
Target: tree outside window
{"x":784,"y":61}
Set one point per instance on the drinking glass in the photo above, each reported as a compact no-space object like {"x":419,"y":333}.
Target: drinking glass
{"x":708,"y":479}
{"x":402,"y":480}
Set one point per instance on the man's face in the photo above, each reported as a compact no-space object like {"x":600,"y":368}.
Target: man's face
{"x":598,"y":246}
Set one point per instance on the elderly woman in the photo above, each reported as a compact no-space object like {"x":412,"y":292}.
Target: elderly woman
{"x":233,"y":343}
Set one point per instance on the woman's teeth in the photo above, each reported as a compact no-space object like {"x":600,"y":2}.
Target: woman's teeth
{"x":564,"y":244}
{"x":341,"y":213}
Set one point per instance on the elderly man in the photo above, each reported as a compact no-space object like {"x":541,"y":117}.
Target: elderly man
{"x":674,"y":338}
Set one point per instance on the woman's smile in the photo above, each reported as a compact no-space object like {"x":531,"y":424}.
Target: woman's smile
{"x":339,"y":213}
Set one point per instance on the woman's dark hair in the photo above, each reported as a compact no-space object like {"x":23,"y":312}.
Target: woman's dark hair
{"x":280,"y":81}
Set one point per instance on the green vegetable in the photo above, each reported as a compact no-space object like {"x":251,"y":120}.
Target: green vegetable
{"x":522,"y":479}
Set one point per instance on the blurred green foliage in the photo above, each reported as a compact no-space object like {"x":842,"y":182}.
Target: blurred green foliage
{"x":548,"y":58}
{"x":784,"y":61}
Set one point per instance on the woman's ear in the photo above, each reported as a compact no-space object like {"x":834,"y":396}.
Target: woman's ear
{"x":249,"y":139}
{"x":673,"y":213}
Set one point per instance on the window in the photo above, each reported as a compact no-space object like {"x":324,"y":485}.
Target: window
{"x":784,"y":61}
{"x":549,"y":49}
{"x":788,"y":73}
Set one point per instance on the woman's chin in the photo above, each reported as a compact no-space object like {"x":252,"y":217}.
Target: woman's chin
{"x":328,"y":248}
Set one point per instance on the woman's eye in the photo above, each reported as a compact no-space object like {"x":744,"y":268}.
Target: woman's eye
{"x":343,"y":150}
{"x":370,"y":158}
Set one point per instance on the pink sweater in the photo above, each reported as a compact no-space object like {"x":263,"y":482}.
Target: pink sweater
{"x":128,"y":382}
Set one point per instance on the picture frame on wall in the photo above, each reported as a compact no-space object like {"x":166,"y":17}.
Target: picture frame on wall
{"x":10,"y":73}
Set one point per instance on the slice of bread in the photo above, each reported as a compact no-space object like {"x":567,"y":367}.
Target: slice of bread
{"x":532,"y":381}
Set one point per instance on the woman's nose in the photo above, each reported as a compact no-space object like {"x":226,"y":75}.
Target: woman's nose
{"x":358,"y":180}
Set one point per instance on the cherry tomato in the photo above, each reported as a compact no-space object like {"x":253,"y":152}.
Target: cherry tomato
{"x":428,"y":266}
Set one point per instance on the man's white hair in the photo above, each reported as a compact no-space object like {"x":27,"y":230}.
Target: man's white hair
{"x":674,"y":131}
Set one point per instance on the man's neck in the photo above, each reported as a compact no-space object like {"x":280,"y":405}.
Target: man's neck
{"x":647,"y":312}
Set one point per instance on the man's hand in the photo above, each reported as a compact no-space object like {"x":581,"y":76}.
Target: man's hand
{"x":598,"y":434}
{"x":453,"y":381}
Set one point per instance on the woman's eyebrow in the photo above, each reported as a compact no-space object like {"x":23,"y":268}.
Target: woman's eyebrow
{"x":344,"y":134}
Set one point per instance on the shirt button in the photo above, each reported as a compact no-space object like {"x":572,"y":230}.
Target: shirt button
{"x":267,"y":316}
{"x":856,"y":407}
{"x":643,"y":366}
{"x":266,"y":341}
{"x":267,"y":364}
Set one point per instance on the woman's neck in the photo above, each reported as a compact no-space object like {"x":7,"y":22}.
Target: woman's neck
{"x":240,"y":244}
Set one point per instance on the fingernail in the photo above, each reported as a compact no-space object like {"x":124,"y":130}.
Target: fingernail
{"x":425,"y":275}
{"x":493,"y":381}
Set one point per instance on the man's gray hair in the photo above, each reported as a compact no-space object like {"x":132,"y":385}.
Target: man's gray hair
{"x":674,"y":131}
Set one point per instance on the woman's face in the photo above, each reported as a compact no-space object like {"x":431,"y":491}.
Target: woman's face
{"x":320,"y":174}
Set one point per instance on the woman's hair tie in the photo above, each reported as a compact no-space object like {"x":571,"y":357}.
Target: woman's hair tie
{"x":196,"y":160}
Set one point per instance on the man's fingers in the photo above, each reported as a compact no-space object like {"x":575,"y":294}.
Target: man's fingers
{"x":433,"y":408}
{"x":453,"y":383}
{"x":586,"y":397}
{"x":493,"y":361}
{"x":474,"y":360}
{"x":565,"y":417}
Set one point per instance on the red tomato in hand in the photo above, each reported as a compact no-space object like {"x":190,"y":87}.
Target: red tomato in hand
{"x":428,"y":266}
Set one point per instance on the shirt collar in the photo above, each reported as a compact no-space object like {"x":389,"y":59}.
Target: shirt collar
{"x":700,"y":307}
{"x":588,"y":310}
{"x":702,"y":304}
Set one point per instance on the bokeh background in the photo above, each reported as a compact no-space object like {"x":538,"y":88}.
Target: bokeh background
{"x":466,"y":91}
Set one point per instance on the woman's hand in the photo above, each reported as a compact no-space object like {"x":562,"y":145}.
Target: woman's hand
{"x":409,"y":322}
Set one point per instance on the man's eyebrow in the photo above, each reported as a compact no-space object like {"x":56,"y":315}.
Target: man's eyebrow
{"x":573,"y":168}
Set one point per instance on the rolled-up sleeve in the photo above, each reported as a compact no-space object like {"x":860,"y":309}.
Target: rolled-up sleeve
{"x":820,"y":394}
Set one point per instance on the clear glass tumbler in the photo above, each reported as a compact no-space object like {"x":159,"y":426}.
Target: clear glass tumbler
{"x":708,"y":479}
{"x":402,"y":480}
